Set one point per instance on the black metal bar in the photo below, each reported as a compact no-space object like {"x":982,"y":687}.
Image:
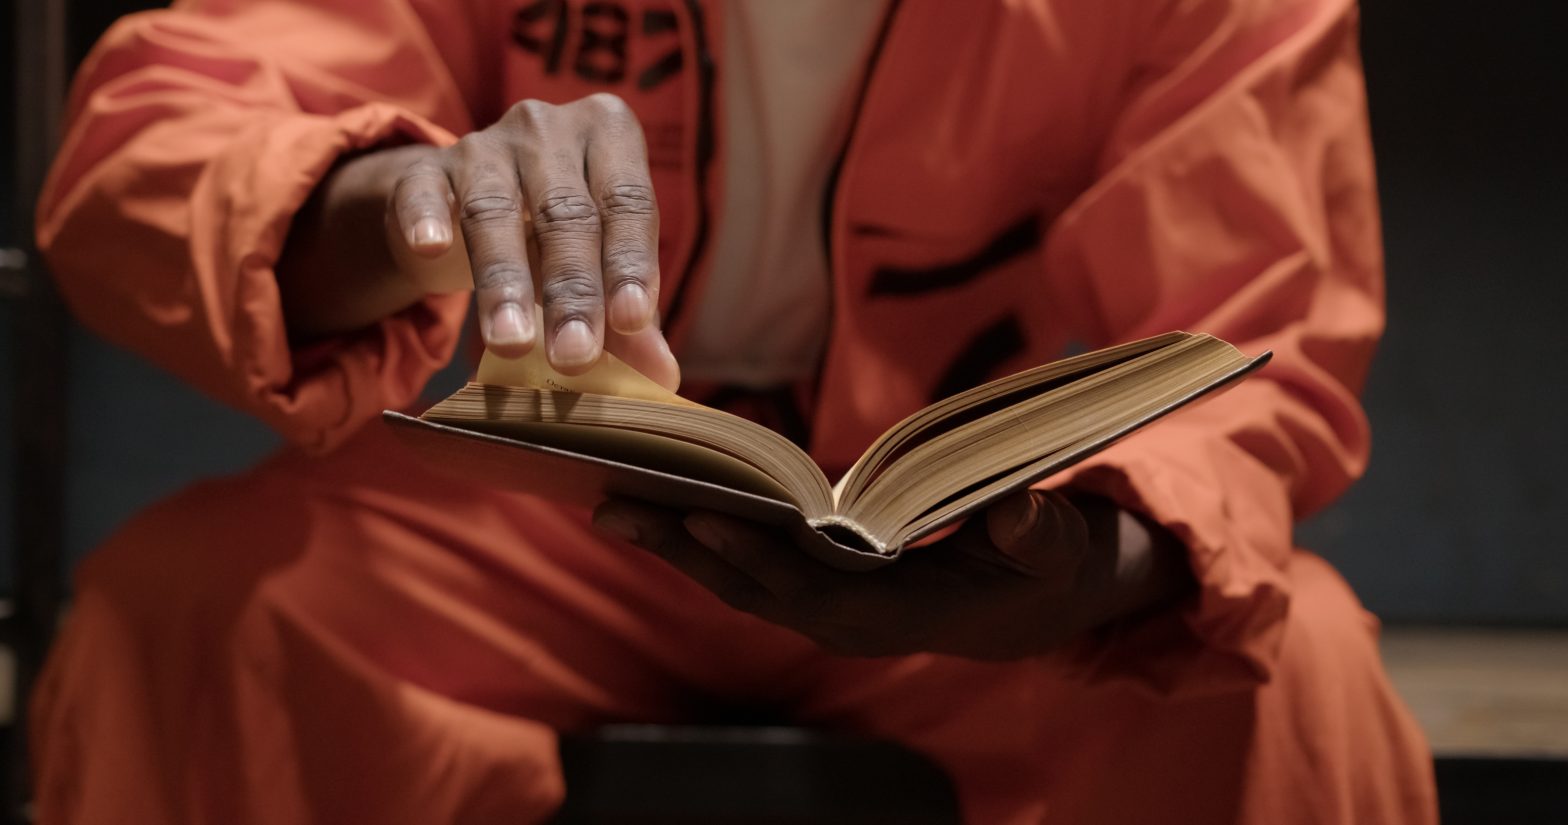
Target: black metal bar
{"x":657,"y":774}
{"x":40,"y":394}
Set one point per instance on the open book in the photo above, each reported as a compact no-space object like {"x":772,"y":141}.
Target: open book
{"x":579,"y":439}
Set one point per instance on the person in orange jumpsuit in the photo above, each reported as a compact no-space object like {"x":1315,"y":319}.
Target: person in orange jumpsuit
{"x":271,"y":199}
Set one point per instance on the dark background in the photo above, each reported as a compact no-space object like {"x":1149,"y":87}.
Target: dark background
{"x":1461,"y":517}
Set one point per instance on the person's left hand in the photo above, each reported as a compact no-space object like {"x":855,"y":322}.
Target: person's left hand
{"x":1031,"y":574}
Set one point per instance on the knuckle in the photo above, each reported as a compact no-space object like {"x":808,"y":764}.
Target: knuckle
{"x":608,"y":103}
{"x":419,"y":201}
{"x":411,"y":205}
{"x":565,"y":211}
{"x":628,"y":200}
{"x":469,"y":148}
{"x":421,"y":174}
{"x":422,"y":183}
{"x":572,"y":292}
{"x":531,"y":112}
{"x":625,"y":263}
{"x":502,"y":279}
{"x":489,"y":207}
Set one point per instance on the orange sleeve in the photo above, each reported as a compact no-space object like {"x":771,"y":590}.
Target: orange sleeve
{"x":1236,"y":197}
{"x":194,"y":136}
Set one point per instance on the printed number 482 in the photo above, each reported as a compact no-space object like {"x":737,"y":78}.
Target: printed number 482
{"x":541,"y":27}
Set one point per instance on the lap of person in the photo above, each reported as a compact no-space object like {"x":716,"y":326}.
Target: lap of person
{"x":494,"y":599}
{"x":360,"y":608}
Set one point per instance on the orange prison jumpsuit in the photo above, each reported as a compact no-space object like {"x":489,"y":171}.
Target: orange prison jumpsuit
{"x":342,"y":636}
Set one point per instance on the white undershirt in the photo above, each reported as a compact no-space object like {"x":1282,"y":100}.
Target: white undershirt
{"x":791,"y":71}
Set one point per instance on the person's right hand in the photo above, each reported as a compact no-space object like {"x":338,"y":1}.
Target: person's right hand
{"x":572,"y":180}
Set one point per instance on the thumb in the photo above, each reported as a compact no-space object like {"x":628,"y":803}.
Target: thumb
{"x":1038,"y":529}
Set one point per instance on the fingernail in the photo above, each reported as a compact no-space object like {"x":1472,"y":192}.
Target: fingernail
{"x":429,"y":232}
{"x":510,"y":325}
{"x":1025,"y":519}
{"x":703,"y":531}
{"x":573,"y":345}
{"x":630,"y":308}
{"x":614,"y":525}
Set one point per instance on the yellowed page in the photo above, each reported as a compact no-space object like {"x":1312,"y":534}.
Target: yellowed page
{"x":610,"y":376}
{"x":613,"y":377}
{"x":642,"y":449}
{"x":487,"y":406}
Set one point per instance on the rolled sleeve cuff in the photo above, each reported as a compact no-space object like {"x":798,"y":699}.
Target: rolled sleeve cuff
{"x":1225,"y":636}
{"x":316,"y":396}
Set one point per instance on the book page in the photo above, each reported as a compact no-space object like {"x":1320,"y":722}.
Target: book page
{"x":643,"y":449}
{"x":486,"y":407}
{"x":610,"y":376}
